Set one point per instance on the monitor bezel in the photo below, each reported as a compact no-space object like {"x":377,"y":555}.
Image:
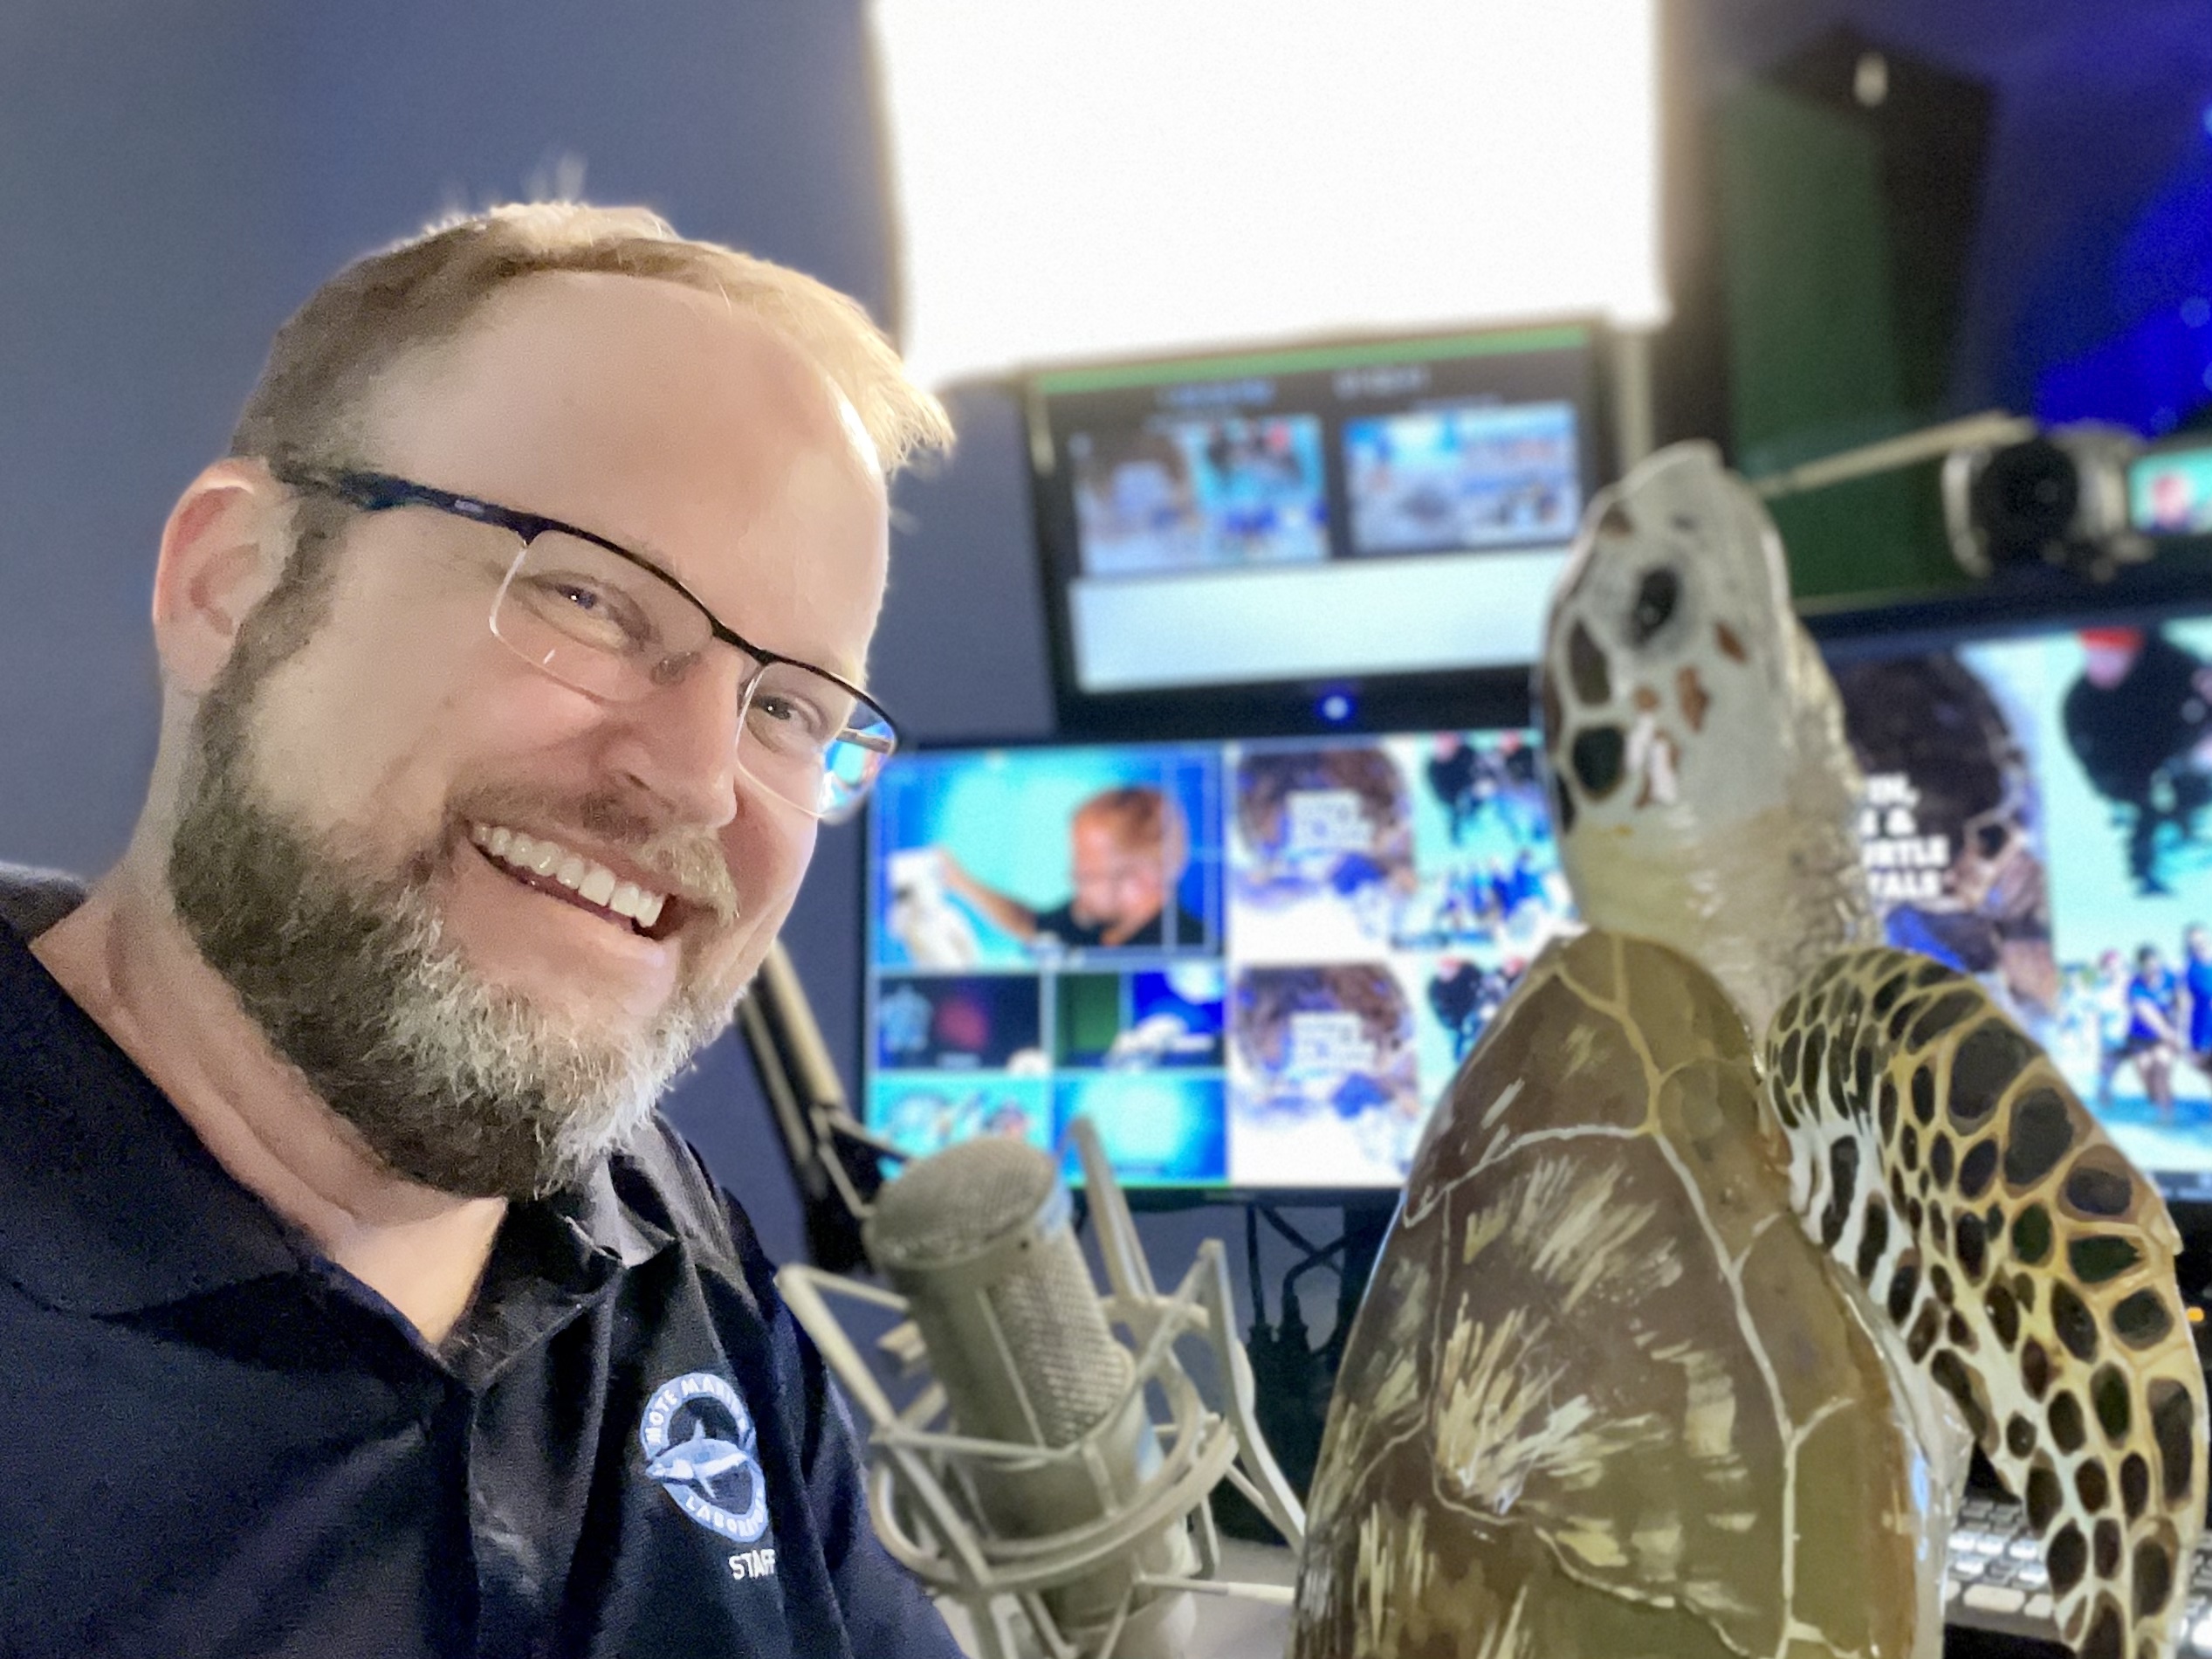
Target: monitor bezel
{"x":1469,"y":698}
{"x":1151,"y":1196}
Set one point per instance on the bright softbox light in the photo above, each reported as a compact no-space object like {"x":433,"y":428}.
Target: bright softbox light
{"x":1075,"y":182}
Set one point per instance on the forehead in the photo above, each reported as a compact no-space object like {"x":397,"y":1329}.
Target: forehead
{"x":661,"y":416}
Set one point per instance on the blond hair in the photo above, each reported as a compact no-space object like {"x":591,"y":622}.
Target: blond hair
{"x":1143,"y":820}
{"x":424,"y":291}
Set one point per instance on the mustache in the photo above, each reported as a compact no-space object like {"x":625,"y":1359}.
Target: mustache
{"x":687,"y":861}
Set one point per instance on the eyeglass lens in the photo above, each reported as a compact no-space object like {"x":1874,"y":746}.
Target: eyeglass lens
{"x":593,"y":620}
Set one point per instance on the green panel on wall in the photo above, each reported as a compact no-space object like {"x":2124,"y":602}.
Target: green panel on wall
{"x":1819,"y":356}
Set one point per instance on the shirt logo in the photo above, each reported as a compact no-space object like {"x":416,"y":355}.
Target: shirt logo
{"x":701,"y":1445}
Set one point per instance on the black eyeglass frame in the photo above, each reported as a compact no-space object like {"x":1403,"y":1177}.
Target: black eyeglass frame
{"x":383,"y":492}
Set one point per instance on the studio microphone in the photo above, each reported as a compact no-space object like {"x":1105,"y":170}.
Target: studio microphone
{"x":978,"y":1240}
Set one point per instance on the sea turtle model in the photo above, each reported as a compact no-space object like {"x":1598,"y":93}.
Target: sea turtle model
{"x":1677,"y":1342}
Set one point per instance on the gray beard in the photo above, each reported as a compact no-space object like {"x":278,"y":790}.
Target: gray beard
{"x":452,"y":1082}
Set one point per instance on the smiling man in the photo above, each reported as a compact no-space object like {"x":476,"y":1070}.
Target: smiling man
{"x":352,"y":1297}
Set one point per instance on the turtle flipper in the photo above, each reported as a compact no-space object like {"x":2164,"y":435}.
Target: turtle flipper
{"x":1939,"y":1155}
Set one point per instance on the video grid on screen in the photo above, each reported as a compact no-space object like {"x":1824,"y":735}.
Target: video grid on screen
{"x":1361,"y":507}
{"x":1252,"y":965}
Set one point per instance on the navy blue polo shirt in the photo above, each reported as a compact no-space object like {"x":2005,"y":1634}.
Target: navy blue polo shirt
{"x":214,"y":1441}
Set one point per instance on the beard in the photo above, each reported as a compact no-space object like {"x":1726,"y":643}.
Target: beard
{"x":344,"y":964}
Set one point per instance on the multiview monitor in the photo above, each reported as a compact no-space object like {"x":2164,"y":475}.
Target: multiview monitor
{"x":1258,"y":964}
{"x":1243,"y":536}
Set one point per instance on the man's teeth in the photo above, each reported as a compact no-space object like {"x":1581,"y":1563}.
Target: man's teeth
{"x":594,"y":883}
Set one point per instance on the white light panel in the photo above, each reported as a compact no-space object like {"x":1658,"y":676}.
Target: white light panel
{"x":1073,"y":182}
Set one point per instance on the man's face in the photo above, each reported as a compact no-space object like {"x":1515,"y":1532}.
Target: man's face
{"x":2198,"y":943}
{"x":1116,"y":885}
{"x":403,"y":732}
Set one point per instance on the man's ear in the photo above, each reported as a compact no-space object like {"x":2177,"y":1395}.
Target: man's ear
{"x":222,"y":551}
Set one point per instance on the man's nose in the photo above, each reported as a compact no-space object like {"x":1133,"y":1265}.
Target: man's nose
{"x":680,"y":742}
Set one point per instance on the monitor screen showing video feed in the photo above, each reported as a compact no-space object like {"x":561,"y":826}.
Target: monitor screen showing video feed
{"x":1376,"y":509}
{"x":2169,"y":489}
{"x":2039,"y":812}
{"x":1252,"y":965}
{"x":1466,"y":475}
{"x":1258,"y":964}
{"x":1201,"y":495}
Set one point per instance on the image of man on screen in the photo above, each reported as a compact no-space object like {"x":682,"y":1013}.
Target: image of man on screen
{"x":1128,"y":848}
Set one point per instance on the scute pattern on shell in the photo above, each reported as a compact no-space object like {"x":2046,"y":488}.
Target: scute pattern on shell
{"x":2030,"y":1264}
{"x":1604,"y":1395}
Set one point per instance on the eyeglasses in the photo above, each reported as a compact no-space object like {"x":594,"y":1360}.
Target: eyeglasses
{"x":606,"y":621}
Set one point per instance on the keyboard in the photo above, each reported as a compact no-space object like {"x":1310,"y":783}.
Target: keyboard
{"x":1994,"y":1579}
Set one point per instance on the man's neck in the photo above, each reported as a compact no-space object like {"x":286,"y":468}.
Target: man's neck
{"x":126,"y":959}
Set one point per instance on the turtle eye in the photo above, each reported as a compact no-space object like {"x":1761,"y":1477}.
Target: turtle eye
{"x":1656,"y":598}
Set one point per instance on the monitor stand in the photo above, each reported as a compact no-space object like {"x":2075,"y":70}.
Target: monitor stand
{"x":1292,"y":1375}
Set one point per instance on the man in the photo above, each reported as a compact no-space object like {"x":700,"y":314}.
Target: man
{"x":1128,"y":849}
{"x":353,"y":1299}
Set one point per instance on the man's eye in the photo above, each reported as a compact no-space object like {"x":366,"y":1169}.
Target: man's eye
{"x":590,"y":612}
{"x":790,"y":711}
{"x":791,"y":724}
{"x":585,"y":599}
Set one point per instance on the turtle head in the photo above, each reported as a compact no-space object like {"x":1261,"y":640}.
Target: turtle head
{"x":1691,"y":729}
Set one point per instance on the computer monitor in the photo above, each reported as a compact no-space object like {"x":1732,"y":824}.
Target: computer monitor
{"x":2039,"y":811}
{"x":1278,"y":541}
{"x":1258,"y":962}
{"x":1254,"y":964}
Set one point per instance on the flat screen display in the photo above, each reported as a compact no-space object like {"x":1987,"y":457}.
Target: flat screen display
{"x":2108,"y":809}
{"x":1253,"y":965}
{"x":1380,"y":509}
{"x":1258,"y":964}
{"x":2169,"y":489}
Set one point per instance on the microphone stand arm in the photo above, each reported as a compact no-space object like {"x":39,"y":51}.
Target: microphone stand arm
{"x":920,"y":1470}
{"x":836,"y":1163}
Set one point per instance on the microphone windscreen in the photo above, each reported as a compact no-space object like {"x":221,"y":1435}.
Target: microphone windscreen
{"x":977,"y":1238}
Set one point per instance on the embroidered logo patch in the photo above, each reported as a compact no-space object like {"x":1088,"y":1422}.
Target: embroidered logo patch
{"x":701,"y":1446}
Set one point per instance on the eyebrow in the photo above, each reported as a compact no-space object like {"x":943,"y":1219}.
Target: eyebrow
{"x":854,"y":674}
{"x":375,"y":491}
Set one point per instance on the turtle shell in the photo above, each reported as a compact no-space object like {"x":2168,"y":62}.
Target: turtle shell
{"x":1605,"y":1396}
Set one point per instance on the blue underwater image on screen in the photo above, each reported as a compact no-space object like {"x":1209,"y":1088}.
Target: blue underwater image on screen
{"x":1157,"y":1128}
{"x":2169,"y":491}
{"x":922,"y":1114}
